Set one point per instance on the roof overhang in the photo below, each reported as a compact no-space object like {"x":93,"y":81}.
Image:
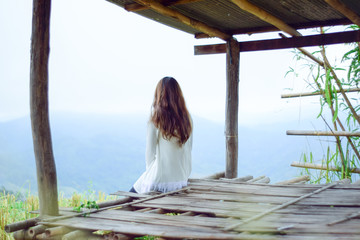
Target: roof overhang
{"x":225,"y":18}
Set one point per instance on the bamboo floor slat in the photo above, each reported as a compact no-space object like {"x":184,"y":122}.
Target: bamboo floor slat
{"x":209,"y":207}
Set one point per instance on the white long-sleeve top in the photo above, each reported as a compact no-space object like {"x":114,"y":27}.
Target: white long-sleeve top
{"x":168,"y":166}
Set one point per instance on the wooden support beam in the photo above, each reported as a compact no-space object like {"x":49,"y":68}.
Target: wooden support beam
{"x":321,"y":167}
{"x":202,"y":27}
{"x":293,"y":95}
{"x":265,"y":16}
{"x":347,"y":12}
{"x":135,"y":7}
{"x":39,"y":109}
{"x":313,"y":24}
{"x":282,"y":43}
{"x":232,"y":108}
{"x":321,"y":133}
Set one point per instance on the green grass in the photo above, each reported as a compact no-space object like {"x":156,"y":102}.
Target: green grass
{"x":15,"y":207}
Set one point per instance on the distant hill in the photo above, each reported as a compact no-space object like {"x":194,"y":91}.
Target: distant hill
{"x":106,"y":152}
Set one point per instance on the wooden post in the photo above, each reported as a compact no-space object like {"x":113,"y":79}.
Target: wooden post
{"x":232,"y":105}
{"x":45,"y":163}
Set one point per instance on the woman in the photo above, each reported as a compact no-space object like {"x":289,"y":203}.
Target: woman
{"x":168,"y":143}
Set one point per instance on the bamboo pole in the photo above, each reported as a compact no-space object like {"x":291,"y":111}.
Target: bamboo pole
{"x":321,"y":167}
{"x":156,"y":6}
{"x":256,"y":179}
{"x":325,"y":64}
{"x":21,"y":235}
{"x":317,"y":93}
{"x":39,"y":109}
{"x":114,"y":202}
{"x":21,"y":225}
{"x":294,"y":180}
{"x":78,"y":234}
{"x":59,"y":230}
{"x":36,"y":230}
{"x":119,"y":236}
{"x":352,"y":216}
{"x":263,"y":180}
{"x":265,"y":16}
{"x":347,"y":12}
{"x":323,"y":133}
{"x":341,"y":90}
{"x":240,"y":179}
{"x":322,"y":64}
{"x":232,"y":108}
{"x":338,"y":141}
{"x":216,"y":175}
{"x":341,"y":126}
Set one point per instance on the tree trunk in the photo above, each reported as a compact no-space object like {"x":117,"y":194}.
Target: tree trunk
{"x":232,"y":105}
{"x":45,"y":163}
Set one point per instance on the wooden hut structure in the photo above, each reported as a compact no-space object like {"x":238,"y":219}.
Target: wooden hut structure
{"x":221,"y":19}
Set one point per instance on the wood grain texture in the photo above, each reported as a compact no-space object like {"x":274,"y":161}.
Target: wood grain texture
{"x":39,"y":109}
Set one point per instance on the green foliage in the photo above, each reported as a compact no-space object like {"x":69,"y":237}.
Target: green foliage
{"x":335,"y":111}
{"x":172,"y":214}
{"x":89,"y":205}
{"x":146,"y":238}
{"x":16,"y":208}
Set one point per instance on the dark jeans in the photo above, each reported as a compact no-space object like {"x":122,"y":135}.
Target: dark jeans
{"x":132,"y":190}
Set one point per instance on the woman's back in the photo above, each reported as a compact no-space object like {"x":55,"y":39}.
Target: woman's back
{"x":169,"y":141}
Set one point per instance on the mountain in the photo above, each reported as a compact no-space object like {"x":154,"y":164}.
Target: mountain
{"x":106,"y":152}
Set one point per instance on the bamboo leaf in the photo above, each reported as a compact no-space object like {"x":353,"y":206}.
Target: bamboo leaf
{"x":321,"y":108}
{"x":327,"y":88}
{"x":336,"y":111}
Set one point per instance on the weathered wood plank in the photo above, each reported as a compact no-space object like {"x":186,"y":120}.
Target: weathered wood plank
{"x":239,"y":197}
{"x":271,"y":227}
{"x":284,"y":205}
{"x":129,"y":194}
{"x":141,"y":229}
{"x":262,"y":190}
{"x":222,"y":204}
{"x":163,"y":219}
{"x":180,"y":220}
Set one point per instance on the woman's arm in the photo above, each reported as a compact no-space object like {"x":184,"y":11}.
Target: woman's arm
{"x":151,"y":142}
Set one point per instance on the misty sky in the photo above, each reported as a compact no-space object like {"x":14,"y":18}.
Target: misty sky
{"x":104,"y":59}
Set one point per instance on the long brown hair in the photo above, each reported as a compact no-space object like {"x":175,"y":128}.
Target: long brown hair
{"x":169,"y":112}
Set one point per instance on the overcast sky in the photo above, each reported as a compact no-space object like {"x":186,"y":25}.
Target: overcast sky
{"x":104,"y":59}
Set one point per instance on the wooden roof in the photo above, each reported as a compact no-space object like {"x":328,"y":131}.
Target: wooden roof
{"x":225,"y":209}
{"x":231,"y":17}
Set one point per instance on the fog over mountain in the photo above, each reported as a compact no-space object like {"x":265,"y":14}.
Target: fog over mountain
{"x":106,"y":152}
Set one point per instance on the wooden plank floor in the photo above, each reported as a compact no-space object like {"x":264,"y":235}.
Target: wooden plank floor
{"x":221,"y":209}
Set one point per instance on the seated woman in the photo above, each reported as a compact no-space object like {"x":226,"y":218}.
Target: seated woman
{"x":168,"y":143}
